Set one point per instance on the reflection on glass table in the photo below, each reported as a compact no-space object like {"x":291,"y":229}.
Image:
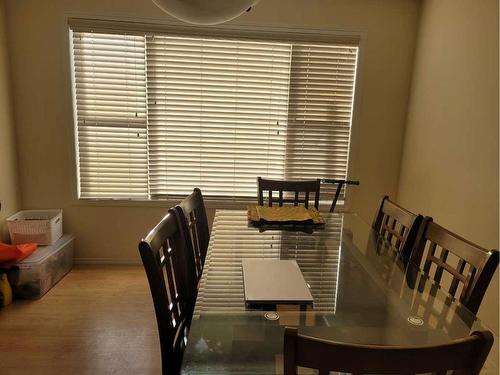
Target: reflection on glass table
{"x":363,"y":293}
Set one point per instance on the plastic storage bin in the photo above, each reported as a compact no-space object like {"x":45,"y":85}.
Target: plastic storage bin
{"x":34,"y":276}
{"x":43,"y":227}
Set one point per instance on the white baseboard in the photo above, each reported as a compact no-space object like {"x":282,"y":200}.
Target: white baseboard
{"x":112,"y":261}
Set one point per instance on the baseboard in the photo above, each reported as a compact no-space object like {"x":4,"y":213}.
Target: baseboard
{"x":112,"y":261}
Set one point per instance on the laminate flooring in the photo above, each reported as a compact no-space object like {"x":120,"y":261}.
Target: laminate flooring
{"x":96,"y":320}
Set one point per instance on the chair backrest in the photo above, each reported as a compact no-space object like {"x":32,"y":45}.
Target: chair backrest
{"x":474,"y":266}
{"x":302,"y":191}
{"x":397,"y":226}
{"x":467,"y":354}
{"x":165,"y":256}
{"x":193,"y":217}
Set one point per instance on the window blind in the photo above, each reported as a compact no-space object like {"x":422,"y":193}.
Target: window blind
{"x":217,"y":113}
{"x":158,"y":114}
{"x":110,"y":93}
{"x":320,"y":112}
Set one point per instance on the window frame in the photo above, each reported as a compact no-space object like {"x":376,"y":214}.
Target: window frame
{"x":278,"y":34}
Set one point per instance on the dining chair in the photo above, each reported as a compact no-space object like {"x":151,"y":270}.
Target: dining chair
{"x":397,"y":226}
{"x":193,"y":218}
{"x":466,"y":355}
{"x":165,"y":255}
{"x":300,"y":189}
{"x":340,"y":184}
{"x":469,"y":265}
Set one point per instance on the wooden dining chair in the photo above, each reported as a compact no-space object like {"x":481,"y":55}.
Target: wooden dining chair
{"x":397,"y":226}
{"x":301,"y":191}
{"x":474,"y":266}
{"x":193,"y":218}
{"x":466,"y":355}
{"x":165,"y":255}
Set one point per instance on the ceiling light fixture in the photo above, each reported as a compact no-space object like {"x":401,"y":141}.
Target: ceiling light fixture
{"x":205,"y":12}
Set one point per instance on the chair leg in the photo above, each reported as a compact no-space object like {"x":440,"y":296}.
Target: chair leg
{"x":337,"y":194}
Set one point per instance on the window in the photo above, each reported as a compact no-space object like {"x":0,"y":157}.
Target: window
{"x":158,"y":114}
{"x":110,"y":88}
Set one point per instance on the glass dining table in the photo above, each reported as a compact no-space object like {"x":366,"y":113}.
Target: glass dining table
{"x":362,"y":291}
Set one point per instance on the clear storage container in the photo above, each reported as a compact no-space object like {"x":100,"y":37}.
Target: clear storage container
{"x":34,"y":276}
{"x":43,"y":227}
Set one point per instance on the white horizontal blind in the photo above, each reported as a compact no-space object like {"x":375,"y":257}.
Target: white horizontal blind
{"x":160,"y":114}
{"x":110,"y":90}
{"x":320,"y":111}
{"x":217,"y":111}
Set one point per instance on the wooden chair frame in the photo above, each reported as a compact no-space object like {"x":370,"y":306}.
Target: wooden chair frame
{"x":389,"y":217}
{"x":193,"y":218}
{"x":482,"y":262}
{"x":467,"y":354}
{"x":165,"y":255}
{"x":281,"y":186}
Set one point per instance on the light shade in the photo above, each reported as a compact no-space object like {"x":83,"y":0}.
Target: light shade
{"x":205,"y":12}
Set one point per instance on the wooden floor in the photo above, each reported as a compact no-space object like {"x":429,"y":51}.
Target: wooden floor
{"x":96,"y":320}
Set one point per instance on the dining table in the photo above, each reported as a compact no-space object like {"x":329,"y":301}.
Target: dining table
{"x":364,"y":292}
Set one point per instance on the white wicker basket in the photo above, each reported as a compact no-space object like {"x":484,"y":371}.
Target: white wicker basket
{"x":43,"y":227}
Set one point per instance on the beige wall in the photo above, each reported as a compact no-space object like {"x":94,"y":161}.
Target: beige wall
{"x":9,"y":197}
{"x":450,"y":165}
{"x":39,"y":55}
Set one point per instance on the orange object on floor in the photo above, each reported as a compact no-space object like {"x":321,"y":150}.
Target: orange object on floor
{"x":11,"y":254}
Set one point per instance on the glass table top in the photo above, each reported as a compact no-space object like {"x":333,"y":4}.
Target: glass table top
{"x":363,"y":293}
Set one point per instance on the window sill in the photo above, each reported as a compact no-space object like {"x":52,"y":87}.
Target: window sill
{"x":167,"y":203}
